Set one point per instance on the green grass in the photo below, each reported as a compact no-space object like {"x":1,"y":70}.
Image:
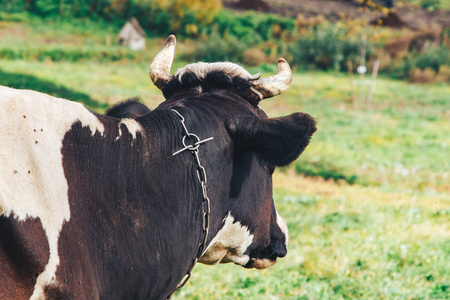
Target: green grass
{"x":402,"y":142}
{"x":380,"y":231}
{"x":385,"y":236}
{"x":441,"y":4}
{"x":344,"y":247}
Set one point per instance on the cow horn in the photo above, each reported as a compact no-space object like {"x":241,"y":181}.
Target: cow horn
{"x":160,"y":67}
{"x":275,"y":84}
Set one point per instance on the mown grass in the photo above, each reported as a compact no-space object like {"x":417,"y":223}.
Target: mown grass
{"x":384,"y":236}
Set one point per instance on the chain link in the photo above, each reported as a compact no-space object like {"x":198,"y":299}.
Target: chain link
{"x":206,"y":205}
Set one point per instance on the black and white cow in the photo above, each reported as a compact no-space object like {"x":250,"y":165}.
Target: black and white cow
{"x":97,"y":207}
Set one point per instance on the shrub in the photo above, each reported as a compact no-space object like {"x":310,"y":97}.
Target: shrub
{"x":254,"y":56}
{"x":250,"y":28}
{"x":326,"y":48}
{"x":158,"y":17}
{"x":417,"y":75}
{"x":13,"y":6}
{"x":430,"y":4}
{"x":433,"y":59}
{"x":217,"y":48}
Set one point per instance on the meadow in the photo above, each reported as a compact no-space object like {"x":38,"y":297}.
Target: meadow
{"x":367,"y":204}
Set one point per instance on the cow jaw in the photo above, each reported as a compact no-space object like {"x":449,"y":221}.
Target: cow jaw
{"x":229,"y":245}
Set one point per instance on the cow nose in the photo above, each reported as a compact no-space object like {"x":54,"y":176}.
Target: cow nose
{"x":278,"y":249}
{"x":267,"y":257}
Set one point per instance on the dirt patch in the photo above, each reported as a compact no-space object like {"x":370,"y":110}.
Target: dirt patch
{"x":392,"y":20}
{"x":13,"y":29}
{"x":412,"y":17}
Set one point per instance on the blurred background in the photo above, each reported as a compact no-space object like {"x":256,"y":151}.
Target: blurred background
{"x":368,"y":203}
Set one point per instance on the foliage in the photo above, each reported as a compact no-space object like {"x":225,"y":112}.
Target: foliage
{"x":159,"y":17}
{"x":252,"y":38}
{"x":251,"y":28}
{"x":430,"y":4}
{"x":433,"y":59}
{"x":327,"y":47}
{"x":215,"y":48}
{"x":231,"y":35}
{"x":13,"y":6}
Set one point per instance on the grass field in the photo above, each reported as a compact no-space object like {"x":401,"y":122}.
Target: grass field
{"x":378,"y":228}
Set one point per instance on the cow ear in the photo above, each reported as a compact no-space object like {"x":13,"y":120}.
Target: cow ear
{"x":278,"y":140}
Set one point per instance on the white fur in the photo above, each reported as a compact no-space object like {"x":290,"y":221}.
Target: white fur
{"x":283,"y":226}
{"x":132,"y":125}
{"x":201,"y":69}
{"x":229,"y":245}
{"x":32,"y":181}
{"x":232,"y":241}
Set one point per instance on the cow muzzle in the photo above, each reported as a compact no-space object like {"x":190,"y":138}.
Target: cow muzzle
{"x":267,"y":257}
{"x":277,"y":248}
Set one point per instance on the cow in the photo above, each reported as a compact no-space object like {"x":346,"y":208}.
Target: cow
{"x":130,"y":108}
{"x":98,"y":206}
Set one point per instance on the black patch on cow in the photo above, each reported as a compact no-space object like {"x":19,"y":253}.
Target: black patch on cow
{"x":241,"y":169}
{"x":129,"y":108}
{"x":24,"y":253}
{"x":278,"y":140}
{"x":135,"y":210}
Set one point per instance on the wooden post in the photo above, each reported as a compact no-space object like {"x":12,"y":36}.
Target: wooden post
{"x":350,"y":78}
{"x":361,"y":74}
{"x":372,"y":83}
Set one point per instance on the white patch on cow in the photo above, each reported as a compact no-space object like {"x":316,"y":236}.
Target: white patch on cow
{"x":283,"y":226}
{"x":229,"y":245}
{"x":201,"y":69}
{"x":132,"y":125}
{"x":32,"y":180}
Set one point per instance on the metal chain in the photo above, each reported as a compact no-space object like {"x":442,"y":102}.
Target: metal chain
{"x":206,"y":206}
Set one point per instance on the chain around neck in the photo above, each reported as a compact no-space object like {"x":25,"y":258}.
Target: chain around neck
{"x":191,"y":142}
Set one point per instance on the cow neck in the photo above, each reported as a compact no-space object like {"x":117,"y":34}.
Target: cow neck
{"x":191,"y":142}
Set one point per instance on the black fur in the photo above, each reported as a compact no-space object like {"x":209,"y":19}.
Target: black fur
{"x":129,"y":108}
{"x":279,"y":140}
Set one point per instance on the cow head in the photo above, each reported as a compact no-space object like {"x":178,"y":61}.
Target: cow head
{"x":221,"y":100}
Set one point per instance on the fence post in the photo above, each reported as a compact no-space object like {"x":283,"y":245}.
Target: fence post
{"x":352,"y":87}
{"x":372,"y":83}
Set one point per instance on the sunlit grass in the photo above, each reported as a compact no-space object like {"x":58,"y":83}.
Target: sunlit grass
{"x":346,"y":242}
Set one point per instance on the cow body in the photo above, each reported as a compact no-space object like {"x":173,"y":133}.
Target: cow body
{"x":97,"y":207}
{"x":109,"y":205}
